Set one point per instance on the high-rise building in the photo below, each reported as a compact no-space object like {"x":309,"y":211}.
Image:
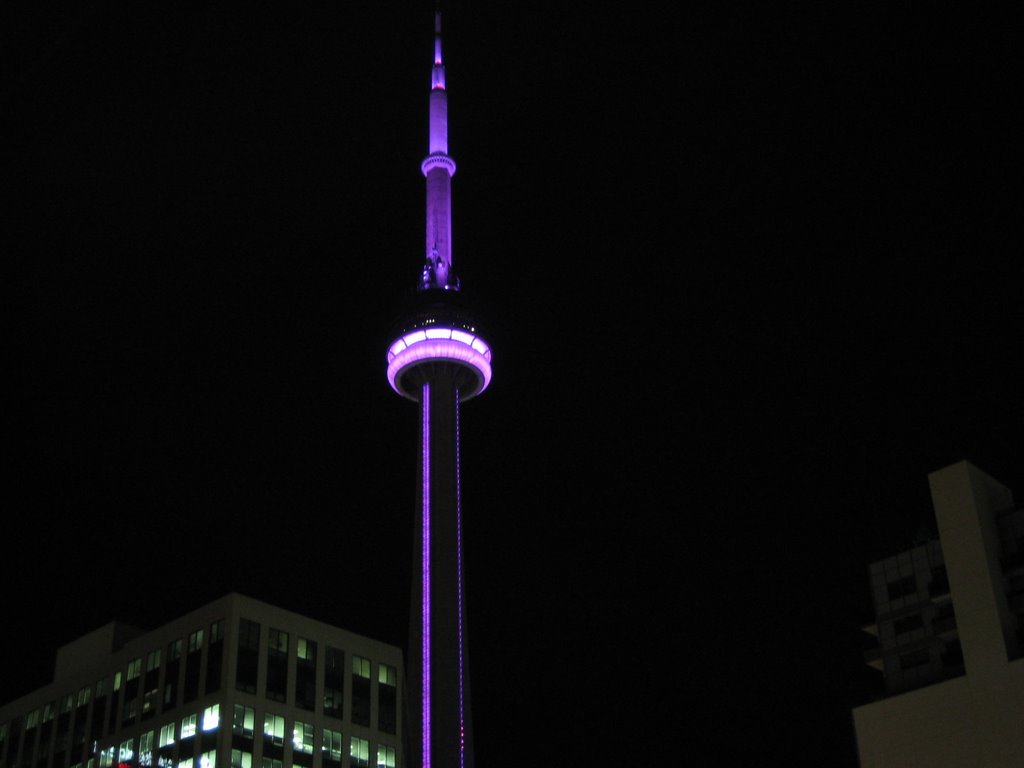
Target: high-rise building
{"x":950,"y":628}
{"x":439,"y":360}
{"x":235,"y":683}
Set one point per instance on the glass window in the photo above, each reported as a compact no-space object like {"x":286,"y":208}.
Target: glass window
{"x":126,"y":752}
{"x":387,"y":675}
{"x":244,"y":721}
{"x":167,"y":735}
{"x":185,"y":762}
{"x":195,"y":641}
{"x":248,"y":655}
{"x":134,"y":668}
{"x":334,"y":682}
{"x":359,"y":752}
{"x":209,"y":759}
{"x":361,"y":667}
{"x":153,"y":661}
{"x":216,"y":631}
{"x":211,"y":718}
{"x":269,"y":763}
{"x":240,"y":759}
{"x":273,"y":728}
{"x":332,"y":745}
{"x":277,"y":665}
{"x":84,"y":696}
{"x":385,"y":756}
{"x":387,"y":699}
{"x":67,"y":703}
{"x":360,"y":714}
{"x":174,"y":650}
{"x":305,"y":674}
{"x":32,"y":719}
{"x":188,"y":726}
{"x":107,"y":757}
{"x":302,"y":737}
{"x":146,"y":749}
{"x":48,"y":711}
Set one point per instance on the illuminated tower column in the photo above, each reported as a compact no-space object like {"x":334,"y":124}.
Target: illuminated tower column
{"x":439,"y":360}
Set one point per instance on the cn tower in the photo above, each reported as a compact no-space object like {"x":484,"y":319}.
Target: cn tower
{"x":439,"y":360}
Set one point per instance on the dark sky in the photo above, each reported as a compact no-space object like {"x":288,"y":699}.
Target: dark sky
{"x":749,"y":276}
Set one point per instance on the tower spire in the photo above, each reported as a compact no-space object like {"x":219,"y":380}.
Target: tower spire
{"x":439,"y":359}
{"x":438,"y":168}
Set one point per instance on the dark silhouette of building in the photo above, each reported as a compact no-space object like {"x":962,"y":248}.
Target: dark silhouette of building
{"x":950,"y":626}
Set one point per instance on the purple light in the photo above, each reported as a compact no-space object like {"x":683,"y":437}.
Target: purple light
{"x":439,"y":343}
{"x":458,"y":555}
{"x":425,"y":576}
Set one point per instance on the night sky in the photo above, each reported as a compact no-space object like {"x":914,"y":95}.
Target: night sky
{"x":749,"y":276}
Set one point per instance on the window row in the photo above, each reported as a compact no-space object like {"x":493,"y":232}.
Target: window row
{"x":274,"y":665}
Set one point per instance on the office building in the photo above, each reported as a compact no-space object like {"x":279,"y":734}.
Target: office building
{"x":950,"y":626}
{"x":439,"y":360}
{"x":235,"y":683}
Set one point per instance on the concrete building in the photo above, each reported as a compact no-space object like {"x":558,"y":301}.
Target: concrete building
{"x":235,"y":683}
{"x":950,"y":624}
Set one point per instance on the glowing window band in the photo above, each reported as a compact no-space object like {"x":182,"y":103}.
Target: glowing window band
{"x":439,"y":343}
{"x":425,"y":575}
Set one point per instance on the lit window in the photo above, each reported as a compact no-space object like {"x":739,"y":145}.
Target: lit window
{"x":211,"y":718}
{"x":387,"y":675}
{"x":185,"y":763}
{"x":195,"y":641}
{"x":102,"y":687}
{"x":107,"y":757}
{"x":117,"y":681}
{"x":273,"y":729}
{"x":146,"y":749}
{"x":32,"y":719}
{"x":269,"y":763}
{"x":83,"y":696}
{"x":153,"y":661}
{"x":209,"y":759}
{"x":126,"y":752}
{"x":174,"y":650}
{"x":67,"y":703}
{"x":244,"y":721}
{"x":240,"y":759}
{"x":167,"y":735}
{"x":188,"y":726}
{"x":385,"y":756}
{"x":302,"y":737}
{"x":149,"y":700}
{"x":359,"y":752}
{"x":305,"y":649}
{"x":134,"y":668}
{"x":47,"y":712}
{"x":361,"y":667}
{"x":332,"y":745}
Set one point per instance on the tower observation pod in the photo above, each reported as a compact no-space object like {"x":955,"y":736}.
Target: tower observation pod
{"x":438,"y":359}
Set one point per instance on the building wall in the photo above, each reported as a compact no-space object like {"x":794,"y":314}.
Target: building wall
{"x":84,"y":717}
{"x":977,"y":719}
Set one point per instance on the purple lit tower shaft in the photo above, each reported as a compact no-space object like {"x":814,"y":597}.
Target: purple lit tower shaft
{"x":438,"y":360}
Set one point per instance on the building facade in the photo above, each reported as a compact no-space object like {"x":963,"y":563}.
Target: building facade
{"x":235,"y":683}
{"x":950,"y":628}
